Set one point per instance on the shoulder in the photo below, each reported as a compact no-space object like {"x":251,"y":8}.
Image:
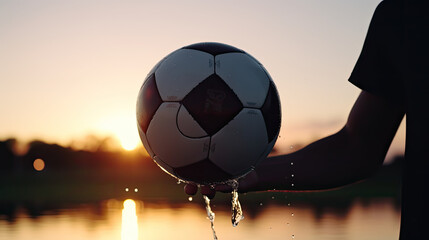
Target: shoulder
{"x":388,"y":8}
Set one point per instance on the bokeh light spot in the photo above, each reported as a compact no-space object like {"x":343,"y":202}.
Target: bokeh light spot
{"x":39,"y":164}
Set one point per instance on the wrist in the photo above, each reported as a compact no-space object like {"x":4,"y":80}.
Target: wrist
{"x":274,"y":174}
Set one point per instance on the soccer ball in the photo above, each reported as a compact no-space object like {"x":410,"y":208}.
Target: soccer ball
{"x":208,"y":113}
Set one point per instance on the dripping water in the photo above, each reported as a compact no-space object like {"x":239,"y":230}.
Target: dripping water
{"x":210,"y":215}
{"x":236,"y":211}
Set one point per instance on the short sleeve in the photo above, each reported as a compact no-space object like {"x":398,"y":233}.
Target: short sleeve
{"x":378,"y":69}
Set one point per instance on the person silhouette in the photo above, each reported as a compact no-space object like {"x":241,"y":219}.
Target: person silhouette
{"x":393,"y":73}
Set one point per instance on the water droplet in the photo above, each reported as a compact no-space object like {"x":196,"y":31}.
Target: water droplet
{"x":272,"y":197}
{"x":178,"y":182}
{"x":292,"y":175}
{"x":260,"y":204}
{"x":292,"y":184}
{"x":291,"y":163}
{"x":136,"y":189}
{"x":288,"y":204}
{"x":190,"y":199}
{"x":292,"y":214}
{"x":293,"y":236}
{"x":126,"y":189}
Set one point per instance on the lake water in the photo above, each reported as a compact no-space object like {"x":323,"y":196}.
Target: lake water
{"x":369,"y":219}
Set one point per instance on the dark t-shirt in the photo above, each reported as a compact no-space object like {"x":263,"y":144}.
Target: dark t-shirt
{"x":394,"y":63}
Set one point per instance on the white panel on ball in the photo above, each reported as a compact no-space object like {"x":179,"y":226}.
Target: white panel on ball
{"x":266,"y":151}
{"x":188,"y":126}
{"x":246,"y":77}
{"x":165,"y":167}
{"x":144,"y":141}
{"x":181,"y":72}
{"x":157,"y":65}
{"x":239,"y":145}
{"x":169,"y":144}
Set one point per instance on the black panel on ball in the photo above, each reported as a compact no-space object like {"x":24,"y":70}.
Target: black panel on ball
{"x":271,"y":112}
{"x":212,"y":104}
{"x":213,"y":48}
{"x":204,"y":172}
{"x":148,"y":102}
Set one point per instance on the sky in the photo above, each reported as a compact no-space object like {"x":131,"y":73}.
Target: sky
{"x":69,"y":69}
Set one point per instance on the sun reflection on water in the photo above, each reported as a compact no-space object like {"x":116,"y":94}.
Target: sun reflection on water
{"x":129,"y":230}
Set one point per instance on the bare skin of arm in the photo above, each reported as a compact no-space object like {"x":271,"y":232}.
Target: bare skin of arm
{"x":352,"y":154}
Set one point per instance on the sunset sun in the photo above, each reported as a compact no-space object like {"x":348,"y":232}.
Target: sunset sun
{"x":124,"y":128}
{"x":128,"y":140}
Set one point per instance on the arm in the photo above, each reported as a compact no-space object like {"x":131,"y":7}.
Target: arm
{"x":350,"y":155}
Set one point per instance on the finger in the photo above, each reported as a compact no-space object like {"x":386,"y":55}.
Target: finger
{"x":190,"y":189}
{"x":208,"y":191}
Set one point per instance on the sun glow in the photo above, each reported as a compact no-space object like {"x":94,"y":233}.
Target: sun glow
{"x":128,"y":142}
{"x":124,"y":128}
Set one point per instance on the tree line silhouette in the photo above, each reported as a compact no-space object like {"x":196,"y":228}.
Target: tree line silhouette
{"x":58,"y":158}
{"x":73,"y":176}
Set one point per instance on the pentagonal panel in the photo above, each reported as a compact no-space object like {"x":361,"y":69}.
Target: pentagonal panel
{"x":239,"y":145}
{"x":213,"y":48}
{"x":148,"y":102}
{"x":181,"y":72}
{"x":145,"y":142}
{"x":187,"y":124}
{"x":169,"y":144}
{"x":212,"y":104}
{"x":271,"y":111}
{"x":203,"y":172}
{"x":244,"y":76}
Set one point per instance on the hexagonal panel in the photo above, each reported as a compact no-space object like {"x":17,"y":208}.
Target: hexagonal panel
{"x":165,"y":167}
{"x":169,"y":144}
{"x":244,"y":76}
{"x":240,"y":144}
{"x":179,"y":73}
{"x":154,"y":68}
{"x":212,"y":104}
{"x":267,"y":151}
{"x":145,"y":142}
{"x":187,"y":124}
{"x":148,"y":102}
